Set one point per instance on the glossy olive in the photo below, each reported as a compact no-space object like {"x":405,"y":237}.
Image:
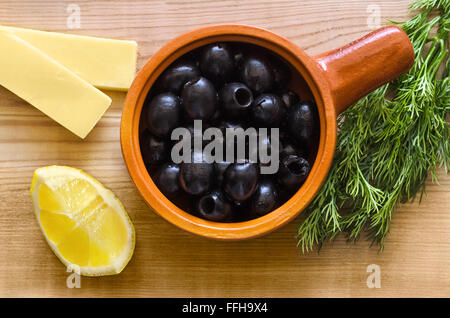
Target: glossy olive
{"x":167,"y":179}
{"x":217,"y":62}
{"x":153,"y":149}
{"x":164,"y":113}
{"x":178,"y":74}
{"x":196,"y":177}
{"x":236,"y":100}
{"x":240,"y":181}
{"x":255,"y":72}
{"x":214,"y":206}
{"x":293,"y":171}
{"x":268,"y":110}
{"x":199,"y":98}
{"x":302,"y":123}
{"x":265,"y":198}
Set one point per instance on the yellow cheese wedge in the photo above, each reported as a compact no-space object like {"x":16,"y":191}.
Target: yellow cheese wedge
{"x":49,"y":86}
{"x":104,"y":63}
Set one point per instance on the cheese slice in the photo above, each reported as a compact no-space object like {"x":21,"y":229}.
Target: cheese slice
{"x":105,"y":63}
{"x":49,"y":86}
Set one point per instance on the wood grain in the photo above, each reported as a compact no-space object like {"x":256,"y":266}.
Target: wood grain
{"x":169,"y":262}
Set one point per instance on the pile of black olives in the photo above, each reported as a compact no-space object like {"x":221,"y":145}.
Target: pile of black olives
{"x":228,"y":85}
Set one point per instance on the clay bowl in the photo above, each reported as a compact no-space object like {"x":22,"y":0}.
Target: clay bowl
{"x":335,"y":79}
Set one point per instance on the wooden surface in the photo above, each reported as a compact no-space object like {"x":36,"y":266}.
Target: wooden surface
{"x":167,"y":261}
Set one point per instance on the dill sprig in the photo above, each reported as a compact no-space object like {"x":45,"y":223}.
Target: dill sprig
{"x":389,"y":142}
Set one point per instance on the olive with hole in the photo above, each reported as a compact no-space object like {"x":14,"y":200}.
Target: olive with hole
{"x":236,"y":100}
{"x":293,"y":171}
{"x":214,"y":206}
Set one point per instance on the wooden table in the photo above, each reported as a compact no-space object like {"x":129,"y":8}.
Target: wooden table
{"x":169,"y":262}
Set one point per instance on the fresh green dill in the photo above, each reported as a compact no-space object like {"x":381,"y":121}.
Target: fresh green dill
{"x":385,"y":155}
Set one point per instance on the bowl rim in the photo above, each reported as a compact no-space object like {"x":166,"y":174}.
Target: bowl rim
{"x":129,"y":130}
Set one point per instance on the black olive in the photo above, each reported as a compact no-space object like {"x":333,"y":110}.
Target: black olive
{"x":289,"y":98}
{"x":214,"y":206}
{"x":268,"y":110}
{"x":200,"y":98}
{"x":236,"y":99}
{"x":167,"y":179}
{"x":153,"y":149}
{"x":217,"y":63}
{"x":265,"y":198}
{"x":255,"y":72}
{"x":240,"y":181}
{"x":164,"y":113}
{"x":196,"y":177}
{"x":219,"y":170}
{"x":302,"y":123}
{"x":178,"y":74}
{"x":293,"y":171}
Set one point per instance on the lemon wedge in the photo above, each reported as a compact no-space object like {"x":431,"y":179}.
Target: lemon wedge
{"x":84,"y":223}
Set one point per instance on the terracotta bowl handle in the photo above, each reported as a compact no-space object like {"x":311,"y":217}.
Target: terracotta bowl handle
{"x":358,"y":68}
